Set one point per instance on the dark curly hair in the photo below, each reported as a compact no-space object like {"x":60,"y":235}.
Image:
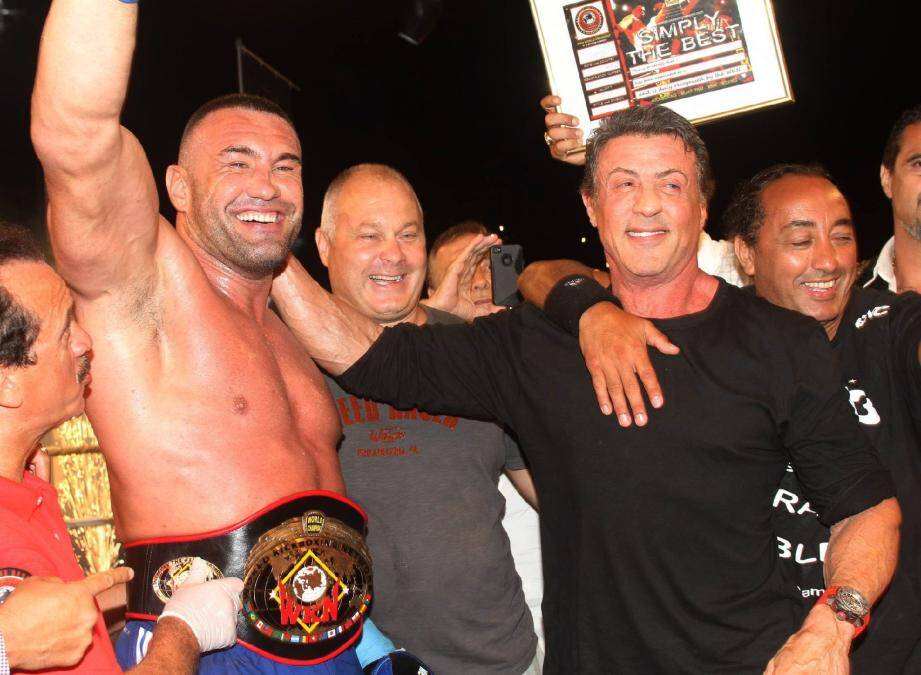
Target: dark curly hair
{"x":745,"y":214}
{"x":18,"y":327}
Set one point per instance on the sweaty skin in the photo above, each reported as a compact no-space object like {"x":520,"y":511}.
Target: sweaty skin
{"x":205,"y":406}
{"x":217,"y":414}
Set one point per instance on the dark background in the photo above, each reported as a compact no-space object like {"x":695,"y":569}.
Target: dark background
{"x":459,"y":114}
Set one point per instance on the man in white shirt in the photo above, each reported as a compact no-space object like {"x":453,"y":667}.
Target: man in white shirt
{"x":898,"y":266}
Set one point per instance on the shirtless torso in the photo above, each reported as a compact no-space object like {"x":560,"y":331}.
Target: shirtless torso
{"x":205,"y":406}
{"x":206,"y":409}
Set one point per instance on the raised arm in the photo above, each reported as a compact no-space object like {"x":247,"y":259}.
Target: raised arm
{"x":613,"y":342}
{"x":103,"y":206}
{"x":453,"y":292}
{"x":333,"y":333}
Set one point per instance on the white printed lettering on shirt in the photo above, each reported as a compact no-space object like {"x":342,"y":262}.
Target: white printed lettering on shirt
{"x":875,"y":313}
{"x":785,"y":550}
{"x":790,"y":500}
{"x":863,"y":406}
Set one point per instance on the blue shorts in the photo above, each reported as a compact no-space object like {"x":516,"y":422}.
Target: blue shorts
{"x":135,"y":638}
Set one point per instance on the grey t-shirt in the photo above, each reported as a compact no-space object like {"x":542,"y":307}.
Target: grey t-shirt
{"x":445,"y":585}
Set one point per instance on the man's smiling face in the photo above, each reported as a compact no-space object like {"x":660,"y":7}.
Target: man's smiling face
{"x":805,"y":256}
{"x":376,"y":252}
{"x":246,"y":199}
{"x":648,"y":207}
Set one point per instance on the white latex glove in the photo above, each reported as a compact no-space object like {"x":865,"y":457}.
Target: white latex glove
{"x":208,"y":608}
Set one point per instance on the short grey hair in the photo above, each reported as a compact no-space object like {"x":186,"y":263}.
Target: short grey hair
{"x":380,"y":171}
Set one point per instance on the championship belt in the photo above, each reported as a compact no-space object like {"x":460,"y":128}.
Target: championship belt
{"x":305,"y":567}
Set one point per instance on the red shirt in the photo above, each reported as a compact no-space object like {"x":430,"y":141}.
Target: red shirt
{"x":33,"y":538}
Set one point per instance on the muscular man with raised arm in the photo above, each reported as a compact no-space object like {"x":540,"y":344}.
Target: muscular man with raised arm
{"x":658,"y":544}
{"x":213,"y":420}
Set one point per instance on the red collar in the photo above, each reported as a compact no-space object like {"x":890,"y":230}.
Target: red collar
{"x":23,"y":498}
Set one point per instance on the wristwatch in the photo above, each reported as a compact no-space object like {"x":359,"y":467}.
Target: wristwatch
{"x":848,"y":605}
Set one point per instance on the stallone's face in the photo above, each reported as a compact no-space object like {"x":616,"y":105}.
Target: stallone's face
{"x":903,"y":184}
{"x":52,"y":387}
{"x":647,"y":207}
{"x":805,"y":258}
{"x":245,"y":199}
{"x":376,"y":253}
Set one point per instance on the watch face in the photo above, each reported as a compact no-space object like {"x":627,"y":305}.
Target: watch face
{"x":852,"y":602}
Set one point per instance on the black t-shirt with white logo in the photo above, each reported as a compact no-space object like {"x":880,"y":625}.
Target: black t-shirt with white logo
{"x":658,"y":542}
{"x":877,"y":347}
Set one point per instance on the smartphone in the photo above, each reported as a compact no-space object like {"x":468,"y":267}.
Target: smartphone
{"x":506,"y":263}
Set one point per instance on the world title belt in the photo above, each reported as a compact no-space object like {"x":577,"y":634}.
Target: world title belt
{"x":305,"y":567}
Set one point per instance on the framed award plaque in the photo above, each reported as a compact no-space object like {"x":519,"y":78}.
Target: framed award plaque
{"x":705,"y":59}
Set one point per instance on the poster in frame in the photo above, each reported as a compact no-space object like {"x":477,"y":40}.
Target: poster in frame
{"x":705,"y":59}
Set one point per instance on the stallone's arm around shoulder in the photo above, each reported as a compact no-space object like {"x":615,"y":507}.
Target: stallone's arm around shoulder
{"x":539,"y":278}
{"x":862,"y":554}
{"x":103,"y":205}
{"x":334,"y":334}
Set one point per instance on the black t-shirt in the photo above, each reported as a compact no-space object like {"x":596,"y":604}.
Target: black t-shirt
{"x":877,"y":347}
{"x":659,"y":554}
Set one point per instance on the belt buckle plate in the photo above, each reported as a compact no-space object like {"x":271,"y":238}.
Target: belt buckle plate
{"x":308,"y":582}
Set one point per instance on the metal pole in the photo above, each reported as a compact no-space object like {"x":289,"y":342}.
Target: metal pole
{"x":239,"y":44}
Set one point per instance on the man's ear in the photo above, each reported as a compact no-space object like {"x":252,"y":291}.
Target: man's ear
{"x":745,"y":254}
{"x":703,"y":215}
{"x":177,"y":186}
{"x":10,"y":391}
{"x":885,"y":179}
{"x":322,"y":239}
{"x":589,"y":208}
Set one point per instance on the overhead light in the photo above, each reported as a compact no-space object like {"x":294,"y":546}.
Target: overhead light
{"x":6,"y":14}
{"x":420,"y":17}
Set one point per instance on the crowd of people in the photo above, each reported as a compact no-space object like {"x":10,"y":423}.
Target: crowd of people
{"x":721,"y":438}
